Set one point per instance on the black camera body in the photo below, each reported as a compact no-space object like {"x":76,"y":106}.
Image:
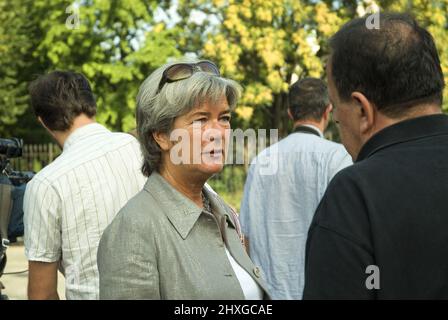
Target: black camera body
{"x":12,"y":188}
{"x":11,"y":148}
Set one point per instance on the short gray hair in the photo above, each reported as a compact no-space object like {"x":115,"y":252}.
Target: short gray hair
{"x":308,"y":99}
{"x":156,"y":112}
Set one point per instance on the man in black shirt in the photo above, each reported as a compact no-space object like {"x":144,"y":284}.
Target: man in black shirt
{"x":381,"y":229}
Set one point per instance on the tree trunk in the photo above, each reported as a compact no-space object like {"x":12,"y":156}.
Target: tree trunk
{"x":280,"y":117}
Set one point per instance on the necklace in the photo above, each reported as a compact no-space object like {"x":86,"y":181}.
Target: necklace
{"x":206,"y":203}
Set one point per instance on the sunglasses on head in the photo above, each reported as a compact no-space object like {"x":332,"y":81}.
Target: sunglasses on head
{"x":181,"y":71}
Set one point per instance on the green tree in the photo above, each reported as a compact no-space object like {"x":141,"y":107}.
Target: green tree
{"x":264,"y":45}
{"x":17,"y":39}
{"x":432,"y":15}
{"x":267,"y":44}
{"x":116,"y":44}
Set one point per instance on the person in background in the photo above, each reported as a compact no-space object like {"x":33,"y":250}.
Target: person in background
{"x":176,"y":239}
{"x":277,"y":207}
{"x":69,"y":203}
{"x":380,"y":229}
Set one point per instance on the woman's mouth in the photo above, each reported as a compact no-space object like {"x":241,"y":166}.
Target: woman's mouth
{"x":214,"y":153}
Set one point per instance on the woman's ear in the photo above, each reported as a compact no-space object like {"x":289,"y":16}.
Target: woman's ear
{"x":367,"y":112}
{"x":162,"y":140}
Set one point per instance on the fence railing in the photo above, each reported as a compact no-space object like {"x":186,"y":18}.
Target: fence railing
{"x":228,"y":183}
{"x":35,"y":157}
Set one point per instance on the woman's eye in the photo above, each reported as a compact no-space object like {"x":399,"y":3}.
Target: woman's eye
{"x":201,"y":120}
{"x":226,"y":118}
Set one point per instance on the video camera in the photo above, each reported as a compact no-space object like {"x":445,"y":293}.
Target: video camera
{"x":12,"y":189}
{"x":12,"y":148}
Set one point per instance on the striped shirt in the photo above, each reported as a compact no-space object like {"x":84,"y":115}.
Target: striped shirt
{"x":70,"y":202}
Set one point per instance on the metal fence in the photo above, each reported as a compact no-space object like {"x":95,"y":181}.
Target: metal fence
{"x":228,"y":183}
{"x":35,"y":157}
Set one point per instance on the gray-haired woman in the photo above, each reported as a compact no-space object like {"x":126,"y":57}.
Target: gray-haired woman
{"x":177,"y":239}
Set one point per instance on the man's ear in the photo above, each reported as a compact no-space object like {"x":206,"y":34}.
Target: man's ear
{"x":327,"y":112}
{"x":162,"y":140}
{"x":290,"y":114}
{"x":43,"y":125}
{"x":367,"y":112}
{"x":52,"y":133}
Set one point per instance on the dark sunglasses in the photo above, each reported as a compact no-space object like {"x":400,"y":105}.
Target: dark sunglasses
{"x":181,"y":71}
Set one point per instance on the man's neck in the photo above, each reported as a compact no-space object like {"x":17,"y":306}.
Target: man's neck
{"x":318,"y":125}
{"x":382,"y":121}
{"x":80,"y":121}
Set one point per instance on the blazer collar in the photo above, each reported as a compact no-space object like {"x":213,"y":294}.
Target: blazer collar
{"x":219,"y":207}
{"x":181,"y":211}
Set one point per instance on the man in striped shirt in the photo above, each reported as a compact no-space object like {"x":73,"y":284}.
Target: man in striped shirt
{"x":70,"y":202}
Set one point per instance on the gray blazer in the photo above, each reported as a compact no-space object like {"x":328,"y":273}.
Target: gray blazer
{"x":163,"y":246}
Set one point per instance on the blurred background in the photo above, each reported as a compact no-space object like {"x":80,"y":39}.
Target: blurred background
{"x":264,"y":45}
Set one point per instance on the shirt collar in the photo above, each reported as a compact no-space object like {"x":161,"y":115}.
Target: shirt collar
{"x":403,"y":131}
{"x":181,"y":211}
{"x":314,"y":128}
{"x":83,"y":132}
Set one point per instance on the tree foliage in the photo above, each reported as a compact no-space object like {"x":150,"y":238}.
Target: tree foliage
{"x":265,"y":45}
{"x":116,"y":45}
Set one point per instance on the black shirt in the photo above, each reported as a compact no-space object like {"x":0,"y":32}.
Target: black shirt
{"x":390,"y":210}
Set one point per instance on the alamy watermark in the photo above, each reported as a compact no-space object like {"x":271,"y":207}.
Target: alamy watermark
{"x":373,"y":21}
{"x":72,"y":21}
{"x":373,"y":280}
{"x":214,"y":146}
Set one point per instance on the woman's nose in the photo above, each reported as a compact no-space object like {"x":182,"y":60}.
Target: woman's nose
{"x":215,"y":131}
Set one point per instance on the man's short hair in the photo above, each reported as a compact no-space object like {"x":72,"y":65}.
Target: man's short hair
{"x":308,"y":99}
{"x":396,"y":66}
{"x":59,"y":97}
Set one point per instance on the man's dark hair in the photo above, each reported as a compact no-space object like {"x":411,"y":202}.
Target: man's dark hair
{"x":308,"y":99}
{"x":396,"y":66}
{"x":60,"y":96}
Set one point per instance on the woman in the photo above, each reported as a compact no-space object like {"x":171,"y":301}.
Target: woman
{"x":177,"y":239}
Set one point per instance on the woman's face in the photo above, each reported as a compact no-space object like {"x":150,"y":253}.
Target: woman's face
{"x":199,"y":139}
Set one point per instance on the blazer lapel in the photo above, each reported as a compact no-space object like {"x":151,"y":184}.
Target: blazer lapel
{"x":236,"y":248}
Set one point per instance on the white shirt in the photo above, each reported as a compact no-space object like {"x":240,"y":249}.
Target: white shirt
{"x":278,"y":206}
{"x":250,"y":287}
{"x":70,"y":202}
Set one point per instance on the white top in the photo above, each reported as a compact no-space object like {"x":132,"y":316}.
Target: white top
{"x":278,"y":206}
{"x":250,"y":287}
{"x":69,"y":203}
